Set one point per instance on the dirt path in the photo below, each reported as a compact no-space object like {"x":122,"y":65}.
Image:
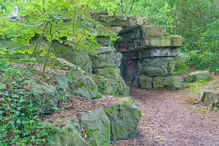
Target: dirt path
{"x":168,"y":121}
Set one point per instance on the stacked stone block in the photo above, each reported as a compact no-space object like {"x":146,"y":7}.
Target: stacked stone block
{"x":148,"y":52}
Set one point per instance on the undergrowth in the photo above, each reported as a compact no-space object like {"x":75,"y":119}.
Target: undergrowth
{"x":181,"y":68}
{"x":20,"y":122}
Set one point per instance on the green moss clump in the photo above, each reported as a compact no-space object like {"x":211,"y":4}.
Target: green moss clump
{"x":197,"y":86}
{"x":111,"y":73}
{"x":110,"y":111}
{"x":127,"y":101}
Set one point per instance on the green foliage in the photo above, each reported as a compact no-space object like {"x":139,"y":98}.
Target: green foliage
{"x":110,"y":111}
{"x":181,"y":68}
{"x":102,"y":84}
{"x":68,"y":22}
{"x":160,"y":11}
{"x":128,"y":101}
{"x":20,"y":122}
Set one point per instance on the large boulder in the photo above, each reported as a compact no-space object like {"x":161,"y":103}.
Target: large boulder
{"x":198,"y":75}
{"x":96,"y":126}
{"x":108,"y":72}
{"x":106,"y":57}
{"x":124,"y":121}
{"x":145,"y":81}
{"x":84,"y":85}
{"x":63,"y":86}
{"x":122,"y":88}
{"x":43,"y":95}
{"x":210,"y":97}
{"x":71,"y":135}
{"x":111,"y":79}
{"x":111,"y":84}
{"x":79,"y":58}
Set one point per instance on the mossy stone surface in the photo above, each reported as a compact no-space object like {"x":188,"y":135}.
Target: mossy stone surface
{"x":97,"y":127}
{"x":124,"y":121}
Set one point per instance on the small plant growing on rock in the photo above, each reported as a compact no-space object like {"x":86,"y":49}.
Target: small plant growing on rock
{"x":110,"y":111}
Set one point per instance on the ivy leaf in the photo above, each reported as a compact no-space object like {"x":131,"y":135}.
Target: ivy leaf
{"x":2,"y":86}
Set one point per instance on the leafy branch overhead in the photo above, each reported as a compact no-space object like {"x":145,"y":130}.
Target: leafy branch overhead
{"x":69,"y":22}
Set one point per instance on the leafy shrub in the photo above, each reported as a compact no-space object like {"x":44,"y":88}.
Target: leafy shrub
{"x":206,"y":60}
{"x":20,"y":122}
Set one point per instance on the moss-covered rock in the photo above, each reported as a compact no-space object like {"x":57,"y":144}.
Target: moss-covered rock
{"x":174,"y":83}
{"x":167,"y":63}
{"x":96,"y":125}
{"x":84,"y":85}
{"x":43,"y":95}
{"x":71,"y":135}
{"x":106,"y":57}
{"x":122,"y":88}
{"x":124,"y":120}
{"x":145,"y":81}
{"x":112,"y":81}
{"x":76,"y":57}
{"x":158,"y":82}
{"x":108,"y":72}
{"x":198,"y":75}
{"x":209,"y":97}
{"x":63,"y":86}
{"x":154,"y":71}
{"x":99,"y":127}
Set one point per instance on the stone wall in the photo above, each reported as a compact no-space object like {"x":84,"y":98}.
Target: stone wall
{"x":148,"y":52}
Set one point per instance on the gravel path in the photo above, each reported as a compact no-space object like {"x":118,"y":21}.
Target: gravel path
{"x":168,"y":121}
